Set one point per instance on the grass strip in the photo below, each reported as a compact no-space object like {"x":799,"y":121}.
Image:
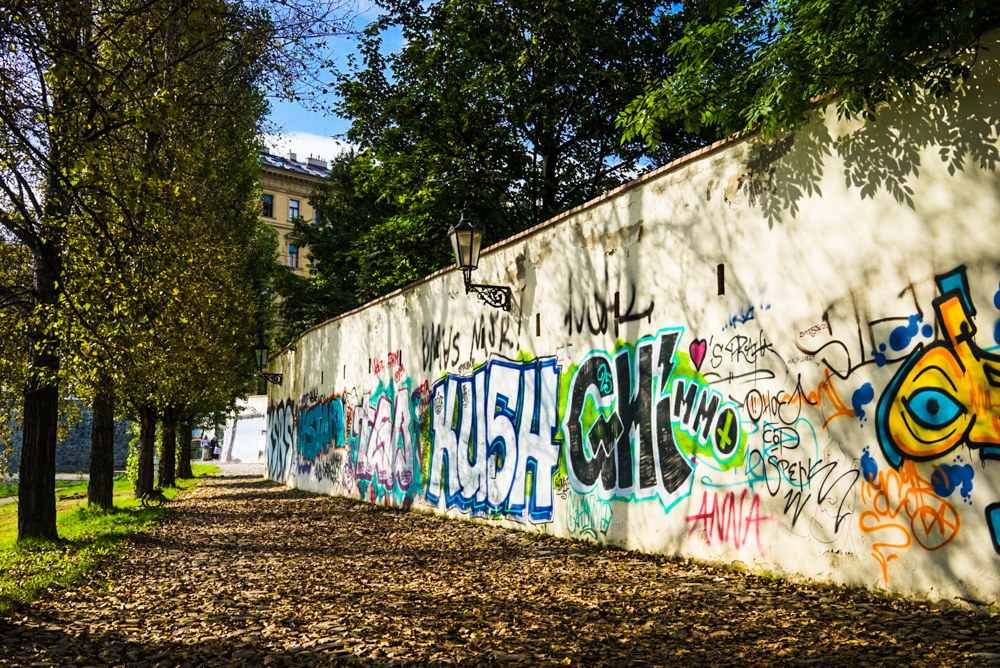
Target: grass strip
{"x":87,"y":536}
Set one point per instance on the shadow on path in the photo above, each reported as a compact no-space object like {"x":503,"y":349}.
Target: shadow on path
{"x":244,"y":572}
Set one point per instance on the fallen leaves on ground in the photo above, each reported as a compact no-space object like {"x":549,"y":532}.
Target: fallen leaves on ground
{"x":247,"y":573}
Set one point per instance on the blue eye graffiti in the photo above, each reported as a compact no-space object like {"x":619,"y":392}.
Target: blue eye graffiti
{"x":932,"y":408}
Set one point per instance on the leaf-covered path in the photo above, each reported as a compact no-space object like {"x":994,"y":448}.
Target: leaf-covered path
{"x":248,"y":573}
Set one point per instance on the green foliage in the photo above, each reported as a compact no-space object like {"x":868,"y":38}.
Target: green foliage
{"x":132,"y":462}
{"x":158,"y":440}
{"x":510,"y":107}
{"x":15,"y":286}
{"x":128,"y":171}
{"x":265,"y":274}
{"x":763,"y":63}
{"x":189,"y":296}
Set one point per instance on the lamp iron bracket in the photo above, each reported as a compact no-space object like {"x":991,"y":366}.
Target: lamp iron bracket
{"x":273,"y":378}
{"x":492,"y":295}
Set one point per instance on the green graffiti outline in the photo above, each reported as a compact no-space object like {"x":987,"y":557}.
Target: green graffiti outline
{"x":696,"y":452}
{"x":690,"y":445}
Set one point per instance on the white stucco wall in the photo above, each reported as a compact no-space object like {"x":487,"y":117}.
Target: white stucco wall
{"x":843,"y":415}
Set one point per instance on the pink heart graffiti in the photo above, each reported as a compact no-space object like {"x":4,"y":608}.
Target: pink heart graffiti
{"x":697,"y":352}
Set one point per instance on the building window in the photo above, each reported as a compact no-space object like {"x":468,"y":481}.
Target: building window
{"x":293,"y":209}
{"x":269,"y":206}
{"x":293,"y":256}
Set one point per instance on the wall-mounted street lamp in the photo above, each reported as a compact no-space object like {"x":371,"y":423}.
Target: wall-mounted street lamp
{"x":466,"y":241}
{"x":260,"y":355}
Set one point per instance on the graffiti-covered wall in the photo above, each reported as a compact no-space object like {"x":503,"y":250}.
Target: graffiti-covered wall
{"x":784,"y":354}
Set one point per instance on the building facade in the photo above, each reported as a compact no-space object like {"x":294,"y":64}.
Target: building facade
{"x":287,"y":183}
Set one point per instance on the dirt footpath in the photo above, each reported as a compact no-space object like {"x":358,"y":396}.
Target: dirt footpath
{"x":248,"y":573}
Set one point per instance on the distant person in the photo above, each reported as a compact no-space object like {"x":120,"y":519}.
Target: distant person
{"x":204,"y":440}
{"x":216,"y":448}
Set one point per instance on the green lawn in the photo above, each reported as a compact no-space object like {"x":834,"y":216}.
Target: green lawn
{"x":87,"y":537}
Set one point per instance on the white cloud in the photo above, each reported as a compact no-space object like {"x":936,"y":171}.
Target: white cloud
{"x":304,"y":144}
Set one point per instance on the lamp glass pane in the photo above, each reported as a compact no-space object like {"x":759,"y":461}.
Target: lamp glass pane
{"x":464,"y":240}
{"x":453,"y":235}
{"x":475,"y":246}
{"x":260,"y":353}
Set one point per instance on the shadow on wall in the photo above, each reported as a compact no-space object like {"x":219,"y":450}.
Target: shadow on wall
{"x":883,"y":153}
{"x":673,"y":393}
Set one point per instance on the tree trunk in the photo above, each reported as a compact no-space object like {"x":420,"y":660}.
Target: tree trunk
{"x":184,"y":449}
{"x":147,"y":448}
{"x":168,"y":455}
{"x":100,"y":490}
{"x":36,"y":510}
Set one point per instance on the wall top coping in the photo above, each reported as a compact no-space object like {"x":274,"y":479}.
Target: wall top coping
{"x":603,"y":197}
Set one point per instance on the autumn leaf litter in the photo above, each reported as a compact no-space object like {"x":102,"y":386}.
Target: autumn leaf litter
{"x":247,"y":573}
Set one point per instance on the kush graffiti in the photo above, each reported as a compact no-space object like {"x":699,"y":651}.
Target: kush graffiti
{"x":947,"y":394}
{"x":634,"y":422}
{"x":493,"y":439}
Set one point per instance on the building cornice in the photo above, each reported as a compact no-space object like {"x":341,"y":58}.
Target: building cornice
{"x":285,"y":181}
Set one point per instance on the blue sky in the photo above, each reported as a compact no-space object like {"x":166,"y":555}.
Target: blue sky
{"x":306,"y":132}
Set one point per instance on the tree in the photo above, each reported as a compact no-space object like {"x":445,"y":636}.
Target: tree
{"x":185,"y":181}
{"x":189,"y":345}
{"x":762,"y":63}
{"x":100,"y":485}
{"x":183,"y":464}
{"x":44,"y":112}
{"x":519,"y":124}
{"x":73,"y":76}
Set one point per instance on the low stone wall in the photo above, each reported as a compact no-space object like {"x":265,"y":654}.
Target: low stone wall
{"x":73,"y":452}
